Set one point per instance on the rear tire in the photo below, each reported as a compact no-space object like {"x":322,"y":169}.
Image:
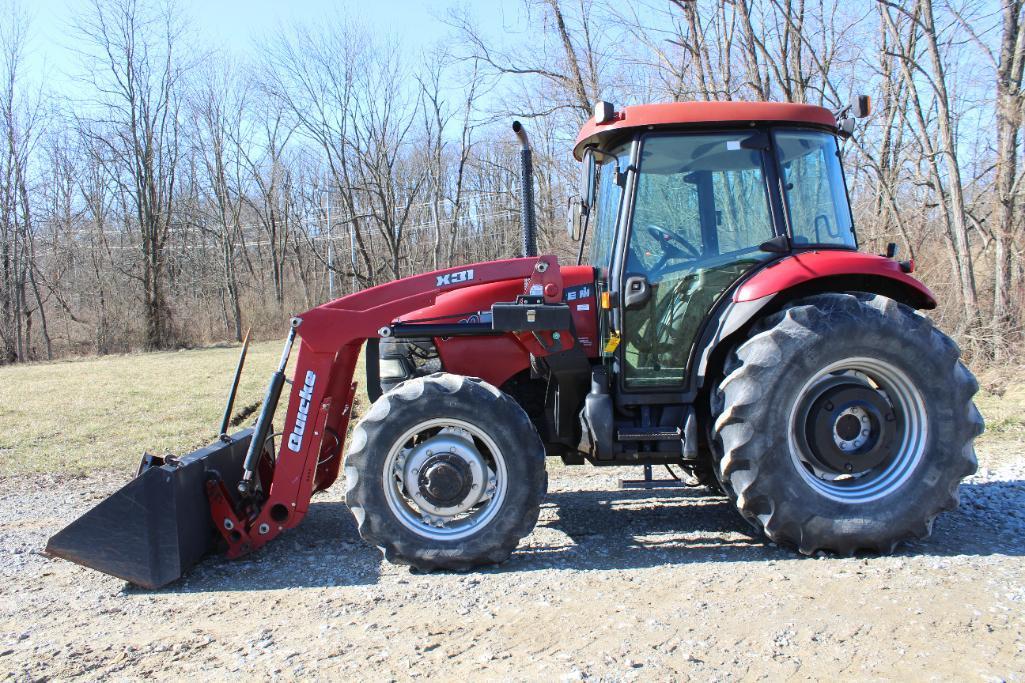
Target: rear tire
{"x":845,"y":423}
{"x":420,"y":457}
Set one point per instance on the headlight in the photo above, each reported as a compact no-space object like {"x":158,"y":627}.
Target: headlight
{"x":392,"y":368}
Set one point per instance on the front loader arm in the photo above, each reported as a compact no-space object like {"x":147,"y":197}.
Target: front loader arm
{"x":322,"y":392}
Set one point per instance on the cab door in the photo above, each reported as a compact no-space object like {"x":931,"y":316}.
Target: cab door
{"x":701,"y":211}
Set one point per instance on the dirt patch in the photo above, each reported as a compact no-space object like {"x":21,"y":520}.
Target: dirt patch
{"x":612,"y":584}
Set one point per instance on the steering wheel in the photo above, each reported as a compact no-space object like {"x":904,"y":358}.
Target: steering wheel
{"x":668,"y":239}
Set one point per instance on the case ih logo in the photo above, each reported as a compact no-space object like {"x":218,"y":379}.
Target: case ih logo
{"x":455,"y":278}
{"x":578,"y":292}
{"x":295,"y":439}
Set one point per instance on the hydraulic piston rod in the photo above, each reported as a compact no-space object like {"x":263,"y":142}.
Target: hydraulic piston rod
{"x":263,"y":423}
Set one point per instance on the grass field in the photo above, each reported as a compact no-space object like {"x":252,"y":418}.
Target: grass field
{"x":102,"y":413}
{"x":1002,"y":402}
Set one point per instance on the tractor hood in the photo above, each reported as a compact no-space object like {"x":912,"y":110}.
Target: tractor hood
{"x":497,"y":359}
{"x":473,"y":303}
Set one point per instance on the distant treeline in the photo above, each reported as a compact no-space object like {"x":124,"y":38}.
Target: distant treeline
{"x":178,"y":197}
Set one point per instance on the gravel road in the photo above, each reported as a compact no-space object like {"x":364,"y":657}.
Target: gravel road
{"x":611,"y":585}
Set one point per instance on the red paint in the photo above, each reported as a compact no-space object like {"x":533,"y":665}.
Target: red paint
{"x":223,"y":514}
{"x":456,"y":305}
{"x":693,"y":113}
{"x":807,"y":266}
{"x":362,"y":314}
{"x":582,"y":300}
{"x":493,"y":359}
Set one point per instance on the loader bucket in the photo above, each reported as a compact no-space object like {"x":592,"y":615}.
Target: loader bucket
{"x":158,"y":525}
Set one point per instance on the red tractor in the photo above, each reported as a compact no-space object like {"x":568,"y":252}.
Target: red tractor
{"x":721,"y":321}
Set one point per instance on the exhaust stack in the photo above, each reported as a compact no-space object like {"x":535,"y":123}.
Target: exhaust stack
{"x":527,"y":217}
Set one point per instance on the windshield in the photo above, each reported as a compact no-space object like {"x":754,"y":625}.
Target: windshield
{"x":814,"y":188}
{"x":606,"y":206}
{"x":699,"y":197}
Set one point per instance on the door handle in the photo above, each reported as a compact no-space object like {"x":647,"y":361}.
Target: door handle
{"x":636,"y":292}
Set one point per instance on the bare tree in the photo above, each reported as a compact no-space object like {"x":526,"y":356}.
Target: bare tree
{"x":235,"y":197}
{"x":915,"y":39}
{"x":267,"y":164}
{"x":20,"y":115}
{"x":219,"y":106}
{"x":1007,"y":61}
{"x":137,"y":75}
{"x":569,"y":62}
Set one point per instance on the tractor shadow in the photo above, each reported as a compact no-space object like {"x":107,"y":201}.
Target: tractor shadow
{"x":638,"y":529}
{"x":600,"y":530}
{"x":324,"y":551}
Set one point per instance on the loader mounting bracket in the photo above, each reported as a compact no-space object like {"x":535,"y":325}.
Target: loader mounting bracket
{"x":231,"y":528}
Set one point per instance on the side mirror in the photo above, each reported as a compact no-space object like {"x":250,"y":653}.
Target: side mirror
{"x":861,"y":107}
{"x":575,"y":218}
{"x":587,"y":187}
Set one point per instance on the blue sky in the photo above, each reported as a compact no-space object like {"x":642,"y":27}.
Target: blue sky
{"x":237,"y":25}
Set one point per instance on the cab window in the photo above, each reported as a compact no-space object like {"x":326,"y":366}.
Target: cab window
{"x":606,"y":209}
{"x":814,"y":189}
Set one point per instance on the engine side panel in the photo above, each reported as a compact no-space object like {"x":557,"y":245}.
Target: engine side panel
{"x":493,"y":359}
{"x":579,"y":293}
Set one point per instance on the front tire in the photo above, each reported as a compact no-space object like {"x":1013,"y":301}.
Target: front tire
{"x":445,"y":472}
{"x":845,"y":423}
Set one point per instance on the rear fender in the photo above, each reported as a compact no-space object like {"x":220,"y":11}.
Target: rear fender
{"x":770,"y":288}
{"x":836,"y":270}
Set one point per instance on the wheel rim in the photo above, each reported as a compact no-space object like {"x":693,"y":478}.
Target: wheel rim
{"x":445,"y":479}
{"x":858,"y":430}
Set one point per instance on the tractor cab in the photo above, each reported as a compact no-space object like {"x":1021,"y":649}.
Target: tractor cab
{"x":679,"y":202}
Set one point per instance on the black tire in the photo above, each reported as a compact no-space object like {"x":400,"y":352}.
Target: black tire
{"x":762,"y":429}
{"x":468,"y":400}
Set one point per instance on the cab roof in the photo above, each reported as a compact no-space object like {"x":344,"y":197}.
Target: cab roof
{"x":700,"y":113}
